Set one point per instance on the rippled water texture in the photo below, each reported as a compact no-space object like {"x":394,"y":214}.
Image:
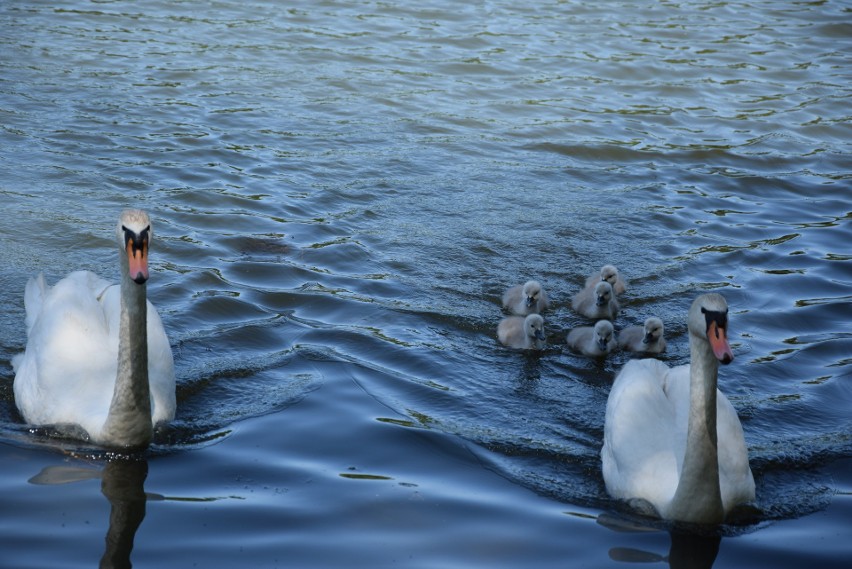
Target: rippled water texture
{"x":341,"y":192}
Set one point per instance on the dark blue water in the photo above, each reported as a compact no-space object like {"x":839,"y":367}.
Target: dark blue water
{"x":341,"y":192}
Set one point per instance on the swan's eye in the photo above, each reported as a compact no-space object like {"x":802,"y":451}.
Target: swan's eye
{"x":136,"y":241}
{"x":714,"y":316}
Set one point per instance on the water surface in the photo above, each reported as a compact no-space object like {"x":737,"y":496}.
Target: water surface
{"x":341,"y":191}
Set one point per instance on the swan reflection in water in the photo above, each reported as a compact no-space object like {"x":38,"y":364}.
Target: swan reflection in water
{"x":123,"y":485}
{"x":687,"y":550}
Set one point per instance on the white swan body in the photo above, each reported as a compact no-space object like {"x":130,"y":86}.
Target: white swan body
{"x":596,"y":302}
{"x":525,"y":299}
{"x":594,"y":341}
{"x":609,"y":274}
{"x":671,"y":438}
{"x":644,"y":339}
{"x":89,"y":362}
{"x":523,"y":333}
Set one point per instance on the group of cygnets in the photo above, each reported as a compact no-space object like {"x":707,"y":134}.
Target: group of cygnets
{"x":524,"y":329}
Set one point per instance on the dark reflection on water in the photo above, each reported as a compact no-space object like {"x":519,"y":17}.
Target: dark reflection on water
{"x":341,"y":191}
{"x":123,"y":484}
{"x":688,"y":551}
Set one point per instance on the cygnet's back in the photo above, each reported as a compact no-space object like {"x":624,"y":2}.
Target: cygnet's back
{"x":595,"y":341}
{"x":529,"y":298}
{"x":645,"y":339}
{"x":522,"y":333}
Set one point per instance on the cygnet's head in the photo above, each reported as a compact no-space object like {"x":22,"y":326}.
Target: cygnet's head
{"x":532,"y":292}
{"x":609,"y":274}
{"x":603,"y":293}
{"x":653,"y":330}
{"x":604,"y":333}
{"x":534,"y":326}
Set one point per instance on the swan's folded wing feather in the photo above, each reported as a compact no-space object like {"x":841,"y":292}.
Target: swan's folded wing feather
{"x":34,"y":294}
{"x":638,"y":457}
{"x":161,"y":369}
{"x":68,"y":335}
{"x":735,"y":477}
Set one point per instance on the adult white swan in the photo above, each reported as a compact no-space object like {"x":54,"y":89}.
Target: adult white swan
{"x":671,"y":439}
{"x":97,"y":356}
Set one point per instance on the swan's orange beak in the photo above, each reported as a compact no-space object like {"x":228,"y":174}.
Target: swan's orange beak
{"x":137,"y":258}
{"x":718,"y":337}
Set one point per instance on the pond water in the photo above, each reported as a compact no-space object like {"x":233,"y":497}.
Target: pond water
{"x":341,"y":191}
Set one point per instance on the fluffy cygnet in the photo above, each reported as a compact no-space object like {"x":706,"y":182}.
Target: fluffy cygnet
{"x":522,"y":332}
{"x":593,"y":341}
{"x":609,"y":274}
{"x":596,"y":303}
{"x":528,"y":298}
{"x":647,"y":338}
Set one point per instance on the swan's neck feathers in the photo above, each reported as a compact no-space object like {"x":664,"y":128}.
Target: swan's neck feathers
{"x":128,"y":423}
{"x":698,"y":497}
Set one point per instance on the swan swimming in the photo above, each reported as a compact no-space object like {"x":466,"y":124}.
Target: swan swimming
{"x":522,"y":332}
{"x":593,"y":341}
{"x":97,"y":356}
{"x":525,"y":299}
{"x":673,"y":444}
{"x":596,"y":303}
{"x":644,"y":339}
{"x":609,"y":274}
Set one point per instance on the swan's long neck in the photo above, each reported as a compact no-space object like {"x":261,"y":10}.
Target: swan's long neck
{"x":129,"y":421}
{"x":698,"y":497}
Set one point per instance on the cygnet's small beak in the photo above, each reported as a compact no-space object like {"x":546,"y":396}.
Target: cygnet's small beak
{"x":530,"y":301}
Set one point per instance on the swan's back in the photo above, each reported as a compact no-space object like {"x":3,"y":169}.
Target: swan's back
{"x":645,"y":432}
{"x":67,"y":373}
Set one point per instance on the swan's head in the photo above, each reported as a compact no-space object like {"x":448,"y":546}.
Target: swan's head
{"x":603,"y":293}
{"x":532,"y":292}
{"x":604,"y":334}
{"x":534,"y":326}
{"x":708,"y":320}
{"x":134,"y":234}
{"x":609,"y":274}
{"x":653,"y":330}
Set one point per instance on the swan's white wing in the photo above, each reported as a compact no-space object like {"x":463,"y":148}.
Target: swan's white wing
{"x":735,"y":478}
{"x":161,"y":369}
{"x":34,"y":294}
{"x":70,"y":354}
{"x":638,"y":455}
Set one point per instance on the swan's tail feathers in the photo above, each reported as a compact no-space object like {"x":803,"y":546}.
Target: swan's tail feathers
{"x":34,"y":295}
